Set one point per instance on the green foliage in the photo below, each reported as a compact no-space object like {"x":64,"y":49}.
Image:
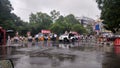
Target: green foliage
{"x":71,"y":19}
{"x":39,"y":21}
{"x":79,"y":28}
{"x":67,"y":23}
{"x":54,"y":14}
{"x":110,"y":13}
{"x":5,"y":14}
{"x":8,"y":20}
{"x":89,"y":29}
{"x":60,"y":20}
{"x":57,"y":28}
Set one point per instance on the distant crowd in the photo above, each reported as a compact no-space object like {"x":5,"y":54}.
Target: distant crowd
{"x":32,"y":39}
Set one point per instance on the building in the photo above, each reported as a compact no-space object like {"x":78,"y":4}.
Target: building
{"x":87,"y":22}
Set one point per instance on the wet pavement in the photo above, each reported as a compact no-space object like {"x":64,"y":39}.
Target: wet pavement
{"x":67,"y":55}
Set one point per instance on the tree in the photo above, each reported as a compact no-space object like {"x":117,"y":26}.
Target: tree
{"x":18,"y":24}
{"x":5,"y":14}
{"x":89,"y":29}
{"x":39,"y":21}
{"x":110,"y":14}
{"x":54,"y":15}
{"x":33,"y":18}
{"x":57,"y":28}
{"x":9,"y":20}
{"x":42,"y":19}
{"x":60,"y":20}
{"x":67,"y":23}
{"x":79,"y":28}
{"x":71,"y":19}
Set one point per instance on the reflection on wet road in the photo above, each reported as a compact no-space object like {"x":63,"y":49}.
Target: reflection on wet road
{"x":59,"y":55}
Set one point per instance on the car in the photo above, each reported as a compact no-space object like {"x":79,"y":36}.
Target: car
{"x":113,"y":38}
{"x":67,"y":38}
{"x":117,"y":36}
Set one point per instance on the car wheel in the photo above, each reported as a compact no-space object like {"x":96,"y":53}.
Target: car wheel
{"x":60,"y":40}
{"x":73,"y":40}
{"x":66,"y":40}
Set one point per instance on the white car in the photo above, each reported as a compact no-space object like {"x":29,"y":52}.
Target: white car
{"x":67,"y":38}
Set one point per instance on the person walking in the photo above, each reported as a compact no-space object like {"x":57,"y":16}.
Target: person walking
{"x":36,"y":39}
{"x":29,"y":39}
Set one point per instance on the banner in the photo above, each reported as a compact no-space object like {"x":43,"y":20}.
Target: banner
{"x":97,"y":27}
{"x":45,"y":31}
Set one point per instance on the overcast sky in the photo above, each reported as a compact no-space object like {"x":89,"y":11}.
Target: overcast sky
{"x":23,"y":8}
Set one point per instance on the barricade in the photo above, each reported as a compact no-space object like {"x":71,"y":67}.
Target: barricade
{"x":117,"y":49}
{"x":117,"y":42}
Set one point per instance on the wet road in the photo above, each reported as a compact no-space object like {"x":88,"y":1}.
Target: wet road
{"x":59,"y":55}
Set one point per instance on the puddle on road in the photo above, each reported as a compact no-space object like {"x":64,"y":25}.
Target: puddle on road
{"x":67,"y":56}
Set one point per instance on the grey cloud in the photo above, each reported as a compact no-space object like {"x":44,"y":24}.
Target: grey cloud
{"x":23,"y":8}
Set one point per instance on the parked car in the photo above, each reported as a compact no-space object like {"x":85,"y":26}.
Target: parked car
{"x":67,"y":38}
{"x":112,"y":38}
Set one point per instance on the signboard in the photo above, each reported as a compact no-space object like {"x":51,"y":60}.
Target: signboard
{"x":45,"y":31}
{"x":74,"y":33}
{"x":97,"y":27}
